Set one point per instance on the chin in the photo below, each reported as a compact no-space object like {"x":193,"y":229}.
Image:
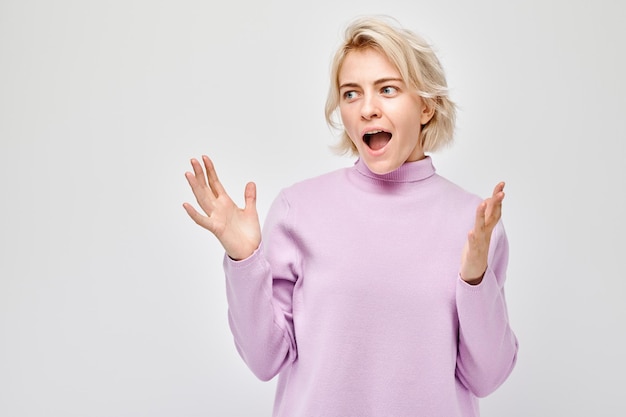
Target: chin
{"x":381,"y":167}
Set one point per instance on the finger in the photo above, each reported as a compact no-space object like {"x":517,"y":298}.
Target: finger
{"x":250,"y":197}
{"x":198,"y":218}
{"x":198,"y":186}
{"x":471,"y":239}
{"x":494,"y":203}
{"x":204,"y":197}
{"x":198,"y":183}
{"x":479,"y":222}
{"x":499,"y":188}
{"x":198,"y":172}
{"x":191,"y":180}
{"x":494,"y":209}
{"x":214,"y":182}
{"x":498,"y":193}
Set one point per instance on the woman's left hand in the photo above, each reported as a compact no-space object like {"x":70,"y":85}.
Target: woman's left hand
{"x":474,"y":258}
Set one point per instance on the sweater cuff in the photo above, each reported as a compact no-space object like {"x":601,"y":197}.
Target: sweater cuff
{"x":247,"y":263}
{"x":488,"y":285}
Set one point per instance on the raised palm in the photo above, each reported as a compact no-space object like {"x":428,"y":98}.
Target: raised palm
{"x":238,"y":230}
{"x":476,"y":250}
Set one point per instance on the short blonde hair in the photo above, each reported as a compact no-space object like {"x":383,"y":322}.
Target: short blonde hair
{"x":419,"y":67}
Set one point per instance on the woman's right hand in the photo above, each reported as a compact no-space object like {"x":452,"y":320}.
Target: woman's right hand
{"x":238,"y":230}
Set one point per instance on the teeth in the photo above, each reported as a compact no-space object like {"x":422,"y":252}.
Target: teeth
{"x":373,"y":132}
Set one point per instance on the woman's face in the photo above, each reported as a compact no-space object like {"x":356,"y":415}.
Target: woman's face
{"x":382,"y":117}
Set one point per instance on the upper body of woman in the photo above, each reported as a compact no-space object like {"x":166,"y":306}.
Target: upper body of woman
{"x":377,"y":289}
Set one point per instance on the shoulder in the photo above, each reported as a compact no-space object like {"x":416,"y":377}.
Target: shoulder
{"x":317,"y":186}
{"x":308,"y":199}
{"x":312,"y":193}
{"x":453,"y":193}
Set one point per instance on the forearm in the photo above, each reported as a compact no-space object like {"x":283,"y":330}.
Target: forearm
{"x":487,"y":345}
{"x":262,"y":329}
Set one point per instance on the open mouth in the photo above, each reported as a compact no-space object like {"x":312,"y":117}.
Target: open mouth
{"x":377,"y":139}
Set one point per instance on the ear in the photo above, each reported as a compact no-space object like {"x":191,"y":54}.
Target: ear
{"x":428,"y":111}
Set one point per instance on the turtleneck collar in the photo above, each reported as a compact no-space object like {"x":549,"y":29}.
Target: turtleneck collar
{"x":407,"y":172}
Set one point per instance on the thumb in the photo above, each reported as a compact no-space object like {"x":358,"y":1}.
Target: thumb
{"x":250,"y":197}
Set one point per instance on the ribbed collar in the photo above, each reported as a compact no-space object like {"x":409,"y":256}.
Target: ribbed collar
{"x":407,"y":172}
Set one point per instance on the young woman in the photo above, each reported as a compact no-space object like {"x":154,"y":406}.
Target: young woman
{"x":374,"y":290}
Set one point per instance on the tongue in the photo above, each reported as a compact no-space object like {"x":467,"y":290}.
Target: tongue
{"x":379,"y":140}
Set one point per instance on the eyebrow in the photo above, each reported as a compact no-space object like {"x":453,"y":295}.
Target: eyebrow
{"x":377,"y":82}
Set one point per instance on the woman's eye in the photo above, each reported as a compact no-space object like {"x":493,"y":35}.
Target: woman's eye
{"x":389,"y":90}
{"x":349,"y":95}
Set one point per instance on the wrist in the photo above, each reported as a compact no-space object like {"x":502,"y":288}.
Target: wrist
{"x":475,"y":280}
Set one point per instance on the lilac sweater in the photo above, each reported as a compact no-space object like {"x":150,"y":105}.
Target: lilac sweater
{"x":354,"y":298}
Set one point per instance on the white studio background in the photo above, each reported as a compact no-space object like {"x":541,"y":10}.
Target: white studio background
{"x":112,"y":301}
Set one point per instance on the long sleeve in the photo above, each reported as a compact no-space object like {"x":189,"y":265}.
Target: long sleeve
{"x":260,"y":298}
{"x":487,"y":346}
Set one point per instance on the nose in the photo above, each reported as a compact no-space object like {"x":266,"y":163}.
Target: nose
{"x":370,"y":108}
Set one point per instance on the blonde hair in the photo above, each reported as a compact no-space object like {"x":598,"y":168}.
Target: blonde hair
{"x":419,"y":67}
